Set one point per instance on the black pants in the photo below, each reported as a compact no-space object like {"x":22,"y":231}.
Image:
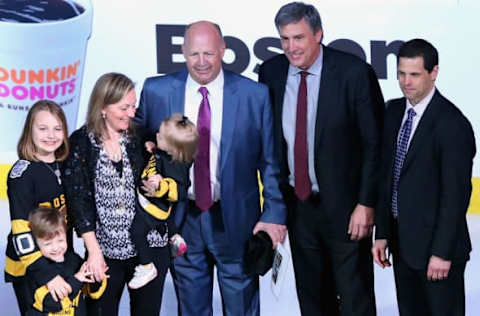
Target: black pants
{"x":141,"y":225}
{"x":144,"y":301}
{"x":23,"y":293}
{"x":333,"y":276}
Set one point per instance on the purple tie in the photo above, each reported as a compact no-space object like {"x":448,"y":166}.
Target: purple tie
{"x":201,"y":167}
{"x":303,"y":187}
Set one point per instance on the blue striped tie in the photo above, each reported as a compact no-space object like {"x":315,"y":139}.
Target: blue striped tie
{"x":400,"y":153}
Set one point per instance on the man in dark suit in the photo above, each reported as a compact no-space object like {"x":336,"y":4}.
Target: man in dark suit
{"x":234,"y":120}
{"x":428,"y":147}
{"x":327,"y":108}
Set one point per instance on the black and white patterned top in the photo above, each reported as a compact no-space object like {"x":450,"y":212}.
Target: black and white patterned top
{"x":115,"y":201}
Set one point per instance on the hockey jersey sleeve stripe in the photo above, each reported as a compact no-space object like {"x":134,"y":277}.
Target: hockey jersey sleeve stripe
{"x":98,"y":293}
{"x":152,"y":209}
{"x":39,"y":296}
{"x":20,"y":226}
{"x":18,"y":268}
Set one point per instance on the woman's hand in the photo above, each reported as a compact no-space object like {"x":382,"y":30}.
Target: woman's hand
{"x":96,"y":266}
{"x":58,"y":288}
{"x":95,"y":262}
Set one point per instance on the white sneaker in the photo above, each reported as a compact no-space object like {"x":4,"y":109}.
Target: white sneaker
{"x":143,"y":274}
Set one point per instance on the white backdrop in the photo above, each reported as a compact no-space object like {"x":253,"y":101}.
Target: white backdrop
{"x":124,"y":39}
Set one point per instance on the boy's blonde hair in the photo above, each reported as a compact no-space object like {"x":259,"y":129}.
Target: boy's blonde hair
{"x":47,"y":222}
{"x":181,"y":135}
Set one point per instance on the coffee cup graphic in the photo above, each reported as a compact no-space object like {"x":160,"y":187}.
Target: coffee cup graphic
{"x":42,"y":56}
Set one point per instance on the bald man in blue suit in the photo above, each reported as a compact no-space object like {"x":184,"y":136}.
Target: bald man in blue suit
{"x":241,"y":143}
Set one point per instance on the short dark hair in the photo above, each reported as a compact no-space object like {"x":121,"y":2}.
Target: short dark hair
{"x":47,"y":222}
{"x":293,"y":12}
{"x":419,"y":48}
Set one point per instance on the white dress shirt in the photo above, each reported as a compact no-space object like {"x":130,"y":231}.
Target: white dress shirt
{"x":289,"y":115}
{"x":419,"y":109}
{"x":193,"y":99}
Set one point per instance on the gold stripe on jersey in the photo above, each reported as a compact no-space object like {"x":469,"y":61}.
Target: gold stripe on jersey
{"x":168,"y":185}
{"x":66,"y":303}
{"x":98,"y":293}
{"x":151,"y":167}
{"x":18,"y":268}
{"x":152,"y":209}
{"x":20,"y":226}
{"x":39,"y":296}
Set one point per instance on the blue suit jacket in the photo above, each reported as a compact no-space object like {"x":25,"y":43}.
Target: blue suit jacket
{"x":246,"y":146}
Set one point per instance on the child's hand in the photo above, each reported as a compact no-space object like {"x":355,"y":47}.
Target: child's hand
{"x":84,"y":274}
{"x":151,"y":184}
{"x":155,"y":179}
{"x":149,"y":146}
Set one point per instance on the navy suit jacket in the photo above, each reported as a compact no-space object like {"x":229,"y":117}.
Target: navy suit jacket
{"x":434,"y":187}
{"x":246,"y":147}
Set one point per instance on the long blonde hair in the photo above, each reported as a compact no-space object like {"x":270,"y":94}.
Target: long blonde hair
{"x":110,"y":88}
{"x":181,"y":135}
{"x":26,"y":148}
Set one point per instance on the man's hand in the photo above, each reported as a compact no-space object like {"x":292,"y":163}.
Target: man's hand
{"x":361,"y":222}
{"x":58,"y":288}
{"x":438,"y":268}
{"x":276,"y":232}
{"x":379,"y":252}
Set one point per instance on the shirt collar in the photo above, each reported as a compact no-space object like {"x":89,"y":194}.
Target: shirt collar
{"x":314,"y":69}
{"x":421,"y":106}
{"x":215,"y":85}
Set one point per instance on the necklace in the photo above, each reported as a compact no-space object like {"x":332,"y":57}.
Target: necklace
{"x":56,"y":172}
{"x":114,"y":151}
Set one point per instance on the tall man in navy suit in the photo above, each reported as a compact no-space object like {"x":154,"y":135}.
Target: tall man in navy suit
{"x":234,"y":119}
{"x":428,"y":148}
{"x":327,"y":108}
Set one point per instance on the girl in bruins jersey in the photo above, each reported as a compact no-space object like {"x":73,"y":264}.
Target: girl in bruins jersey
{"x":34,"y":181}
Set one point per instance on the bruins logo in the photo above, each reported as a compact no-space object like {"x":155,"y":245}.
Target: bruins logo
{"x":19,"y":168}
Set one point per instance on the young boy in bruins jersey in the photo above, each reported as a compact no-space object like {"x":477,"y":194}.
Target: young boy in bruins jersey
{"x":168,"y":171}
{"x":48,"y":226}
{"x":34,"y":181}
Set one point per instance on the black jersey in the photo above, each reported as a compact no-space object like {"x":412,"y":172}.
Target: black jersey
{"x":73,"y":304}
{"x":30,"y":184}
{"x":172,"y":188}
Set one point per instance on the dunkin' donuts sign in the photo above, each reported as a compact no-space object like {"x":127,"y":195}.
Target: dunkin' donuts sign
{"x":43,"y":58}
{"x":37,"y":84}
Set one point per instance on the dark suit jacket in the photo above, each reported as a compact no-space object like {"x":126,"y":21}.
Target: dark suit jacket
{"x":434,"y":187}
{"x":347,"y":132}
{"x":246,"y":146}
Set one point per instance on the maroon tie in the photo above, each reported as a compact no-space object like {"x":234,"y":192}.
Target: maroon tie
{"x":201,"y":167}
{"x":303,"y":187}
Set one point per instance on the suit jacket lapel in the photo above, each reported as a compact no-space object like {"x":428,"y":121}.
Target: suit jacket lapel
{"x":422,"y":132}
{"x":177,"y":97}
{"x":279,"y":91}
{"x":325,"y":94}
{"x":392,"y":130}
{"x":230,"y":108}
